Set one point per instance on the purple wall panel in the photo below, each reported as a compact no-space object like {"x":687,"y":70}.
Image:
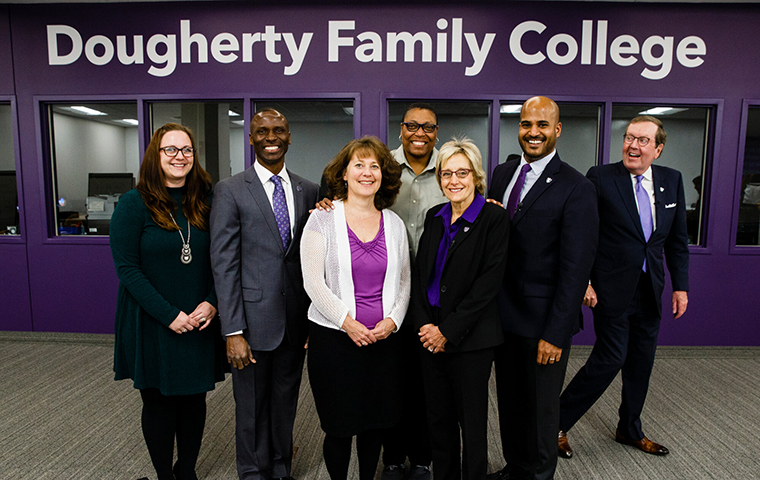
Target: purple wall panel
{"x":14,"y":288}
{"x":6,"y":58}
{"x":73,"y":284}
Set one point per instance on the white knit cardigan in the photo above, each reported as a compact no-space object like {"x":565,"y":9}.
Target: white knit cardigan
{"x":327,"y":274}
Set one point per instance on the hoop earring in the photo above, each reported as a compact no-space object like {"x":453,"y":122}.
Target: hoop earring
{"x":437,"y":139}
{"x":399,"y":138}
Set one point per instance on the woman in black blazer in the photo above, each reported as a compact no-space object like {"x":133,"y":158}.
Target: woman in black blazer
{"x":460,"y":265}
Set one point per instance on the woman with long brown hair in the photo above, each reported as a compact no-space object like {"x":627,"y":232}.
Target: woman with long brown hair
{"x":166,"y":300}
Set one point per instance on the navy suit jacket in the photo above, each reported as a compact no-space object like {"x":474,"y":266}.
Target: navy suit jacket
{"x":552,"y":244}
{"x":622,"y":247}
{"x":259,"y":285}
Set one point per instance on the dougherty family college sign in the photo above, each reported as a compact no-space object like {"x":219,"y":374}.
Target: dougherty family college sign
{"x":445,"y":45}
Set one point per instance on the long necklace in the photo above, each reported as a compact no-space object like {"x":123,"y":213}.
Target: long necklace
{"x":187,"y":255}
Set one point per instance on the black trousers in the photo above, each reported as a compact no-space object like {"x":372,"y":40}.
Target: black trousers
{"x":337,"y":452}
{"x":266,"y":396}
{"x":456,"y":389}
{"x":528,"y":397}
{"x":410,"y":437}
{"x":165,"y":418}
{"x":626,"y":343}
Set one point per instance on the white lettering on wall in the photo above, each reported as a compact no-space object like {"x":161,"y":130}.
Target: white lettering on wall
{"x":529,"y":43}
{"x":656,"y":51}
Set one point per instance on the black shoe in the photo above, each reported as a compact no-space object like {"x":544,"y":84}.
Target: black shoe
{"x":499,"y":475}
{"x":393,"y":472}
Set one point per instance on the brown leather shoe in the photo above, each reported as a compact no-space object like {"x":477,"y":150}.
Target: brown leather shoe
{"x":645,"y":445}
{"x":564,"y":449}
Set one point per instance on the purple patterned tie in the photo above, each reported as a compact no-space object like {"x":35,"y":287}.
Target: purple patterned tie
{"x":281,"y":211}
{"x":514,"y":195}
{"x":645,"y":212}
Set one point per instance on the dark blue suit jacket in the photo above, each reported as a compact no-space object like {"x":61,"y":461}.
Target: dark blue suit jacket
{"x":622,"y":247}
{"x":551,"y":249}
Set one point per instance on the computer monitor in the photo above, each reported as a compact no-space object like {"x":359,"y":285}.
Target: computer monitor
{"x":8,"y":200}
{"x":104,"y":184}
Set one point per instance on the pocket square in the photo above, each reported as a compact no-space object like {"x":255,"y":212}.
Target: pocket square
{"x":670,"y":205}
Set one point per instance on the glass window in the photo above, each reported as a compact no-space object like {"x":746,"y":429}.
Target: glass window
{"x":749,"y":199}
{"x":685,"y":150}
{"x":95,"y":158}
{"x":9,"y":215}
{"x":577,"y":144}
{"x":318,"y":131}
{"x":218,"y":128}
{"x":455,"y":119}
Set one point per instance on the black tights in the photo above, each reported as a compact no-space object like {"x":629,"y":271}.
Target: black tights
{"x":337,"y":451}
{"x":163,"y":418}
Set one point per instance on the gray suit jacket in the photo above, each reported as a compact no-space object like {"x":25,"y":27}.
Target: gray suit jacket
{"x":258,"y":284}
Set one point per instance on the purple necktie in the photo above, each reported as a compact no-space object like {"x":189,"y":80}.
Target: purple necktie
{"x":514,"y":195}
{"x":645,"y":212}
{"x":281,"y":211}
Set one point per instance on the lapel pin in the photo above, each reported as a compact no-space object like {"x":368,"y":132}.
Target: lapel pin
{"x":466,"y":229}
{"x":662,"y":189}
{"x":548,"y":179}
{"x":298,"y":188}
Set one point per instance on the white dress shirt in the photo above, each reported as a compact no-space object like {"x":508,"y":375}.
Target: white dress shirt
{"x":266,"y":181}
{"x":648,"y":183}
{"x":536,"y":169}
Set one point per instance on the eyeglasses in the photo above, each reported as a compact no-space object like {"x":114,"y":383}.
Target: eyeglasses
{"x":172,"y":151}
{"x":643,"y":141}
{"x":413,"y":127}
{"x":461,"y":173}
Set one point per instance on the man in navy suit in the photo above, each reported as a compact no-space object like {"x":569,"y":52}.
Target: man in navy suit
{"x":257,"y":219}
{"x":642,"y":213}
{"x":552,"y":242}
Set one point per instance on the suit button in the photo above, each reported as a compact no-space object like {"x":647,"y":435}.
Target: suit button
{"x":282,"y":292}
{"x":443,"y":288}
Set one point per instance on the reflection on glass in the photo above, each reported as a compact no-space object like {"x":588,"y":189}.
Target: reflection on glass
{"x":577,"y":144}
{"x":318,"y":130}
{"x":89,"y":142}
{"x":455,"y":119}
{"x":685,"y":150}
{"x":749,"y":200}
{"x":218,"y":128}
{"x":9,"y":214}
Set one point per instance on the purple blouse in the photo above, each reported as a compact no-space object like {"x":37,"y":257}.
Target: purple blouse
{"x":449,"y":232}
{"x":369,"y":261}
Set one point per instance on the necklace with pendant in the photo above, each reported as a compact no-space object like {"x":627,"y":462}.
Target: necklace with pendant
{"x":187,"y":255}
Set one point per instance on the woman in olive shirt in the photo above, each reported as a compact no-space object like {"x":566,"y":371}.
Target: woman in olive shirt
{"x":166,"y":341}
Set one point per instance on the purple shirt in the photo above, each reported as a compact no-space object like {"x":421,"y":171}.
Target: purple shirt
{"x":449,"y":232}
{"x":369,"y":261}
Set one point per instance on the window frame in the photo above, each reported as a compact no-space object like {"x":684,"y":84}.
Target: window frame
{"x":733,"y":248}
{"x":22,"y":236}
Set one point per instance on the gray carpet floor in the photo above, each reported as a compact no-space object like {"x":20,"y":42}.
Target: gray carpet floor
{"x":63,"y":417}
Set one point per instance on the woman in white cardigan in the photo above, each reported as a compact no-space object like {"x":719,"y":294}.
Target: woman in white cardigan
{"x":355,"y":262}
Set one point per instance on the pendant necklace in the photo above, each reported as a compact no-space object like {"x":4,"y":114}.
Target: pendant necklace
{"x":187,"y":255}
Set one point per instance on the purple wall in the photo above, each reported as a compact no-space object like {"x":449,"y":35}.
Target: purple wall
{"x":72,"y":281}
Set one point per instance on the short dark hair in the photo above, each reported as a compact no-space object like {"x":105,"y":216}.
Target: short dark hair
{"x":364,"y":147}
{"x":421,"y":106}
{"x":660,"y":137}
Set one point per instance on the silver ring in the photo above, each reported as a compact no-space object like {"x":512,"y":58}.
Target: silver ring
{"x":364,"y":344}
{"x":430,"y":349}
{"x":203,"y":319}
{"x":184,"y":330}
{"x":551,"y":359}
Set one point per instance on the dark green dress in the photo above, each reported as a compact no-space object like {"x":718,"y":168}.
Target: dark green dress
{"x":154,"y":286}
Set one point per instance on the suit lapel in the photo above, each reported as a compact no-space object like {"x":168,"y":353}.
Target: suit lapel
{"x":625,"y":188}
{"x":545,"y":181}
{"x":260,"y":198}
{"x":298,"y":199}
{"x":500,"y":187}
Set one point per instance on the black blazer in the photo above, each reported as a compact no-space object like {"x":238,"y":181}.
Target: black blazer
{"x":622,"y":247}
{"x":551,"y":249}
{"x":468,"y":317}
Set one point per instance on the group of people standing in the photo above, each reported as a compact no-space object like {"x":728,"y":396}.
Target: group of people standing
{"x":405,"y":286}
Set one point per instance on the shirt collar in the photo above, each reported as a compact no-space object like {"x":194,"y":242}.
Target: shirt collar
{"x":405,"y":163}
{"x":647,"y":174}
{"x":470,"y":214}
{"x":538,"y":166}
{"x":265,"y":175}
